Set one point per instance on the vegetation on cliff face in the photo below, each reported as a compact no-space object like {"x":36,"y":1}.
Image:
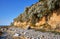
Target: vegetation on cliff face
{"x":36,"y":12}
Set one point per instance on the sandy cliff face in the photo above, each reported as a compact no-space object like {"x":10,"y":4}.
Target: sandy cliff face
{"x":54,"y":20}
{"x":41,"y":22}
{"x":43,"y":13}
{"x":21,"y":25}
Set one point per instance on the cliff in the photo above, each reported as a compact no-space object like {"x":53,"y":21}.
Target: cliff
{"x":45,"y":14}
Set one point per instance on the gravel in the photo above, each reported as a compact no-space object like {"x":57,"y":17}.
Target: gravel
{"x":28,"y":33}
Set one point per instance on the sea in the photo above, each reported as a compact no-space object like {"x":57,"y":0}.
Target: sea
{"x":3,"y":36}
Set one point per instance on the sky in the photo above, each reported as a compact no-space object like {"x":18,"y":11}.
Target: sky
{"x":10,"y":9}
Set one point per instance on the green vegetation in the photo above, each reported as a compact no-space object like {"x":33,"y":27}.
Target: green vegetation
{"x":39,"y":0}
{"x":42,"y":30}
{"x":11,"y":24}
{"x":55,"y":32}
{"x":34,"y":13}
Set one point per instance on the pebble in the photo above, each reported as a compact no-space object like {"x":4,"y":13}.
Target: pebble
{"x":31,"y":34}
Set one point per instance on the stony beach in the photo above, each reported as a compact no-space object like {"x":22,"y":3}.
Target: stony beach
{"x":17,"y":33}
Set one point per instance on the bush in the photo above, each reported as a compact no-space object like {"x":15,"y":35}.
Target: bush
{"x":39,"y":0}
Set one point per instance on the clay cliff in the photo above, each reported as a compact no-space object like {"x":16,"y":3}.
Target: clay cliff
{"x":45,"y":14}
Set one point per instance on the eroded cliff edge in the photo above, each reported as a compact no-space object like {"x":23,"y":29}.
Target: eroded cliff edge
{"x":45,"y":14}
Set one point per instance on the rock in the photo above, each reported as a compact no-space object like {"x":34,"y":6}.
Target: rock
{"x":45,"y":13}
{"x":16,"y":35}
{"x":1,"y":33}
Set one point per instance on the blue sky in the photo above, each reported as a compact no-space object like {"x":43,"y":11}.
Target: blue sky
{"x":9,"y":9}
